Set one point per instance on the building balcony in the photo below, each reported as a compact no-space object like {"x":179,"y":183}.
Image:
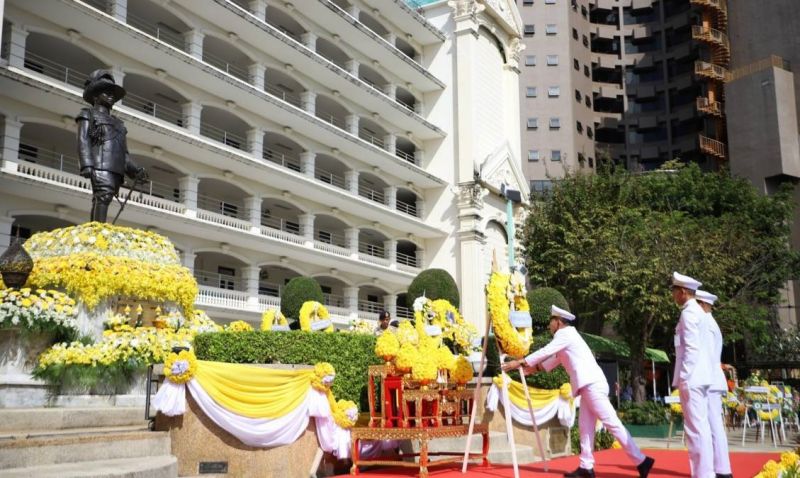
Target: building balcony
{"x":717,"y":40}
{"x":710,"y":71}
{"x":719,"y":7}
{"x":713,"y":147}
{"x":709,"y":107}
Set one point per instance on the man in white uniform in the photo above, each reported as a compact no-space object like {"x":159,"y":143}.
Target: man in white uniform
{"x":569,"y":349}
{"x":718,"y":389}
{"x":693,"y":374}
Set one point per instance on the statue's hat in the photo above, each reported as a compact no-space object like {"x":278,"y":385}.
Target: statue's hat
{"x":99,"y":81}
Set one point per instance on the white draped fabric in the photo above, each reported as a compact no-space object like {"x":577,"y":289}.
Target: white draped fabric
{"x":559,"y":407}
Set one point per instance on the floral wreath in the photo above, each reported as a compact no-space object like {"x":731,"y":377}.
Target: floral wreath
{"x":514,"y":342}
{"x":181,"y":367}
{"x":313,"y":311}
{"x":269,"y":317}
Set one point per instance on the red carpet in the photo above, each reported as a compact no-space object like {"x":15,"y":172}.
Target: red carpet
{"x":610,"y":464}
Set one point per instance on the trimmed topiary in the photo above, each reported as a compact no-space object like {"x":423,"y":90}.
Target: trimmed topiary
{"x":296,"y":293}
{"x":434,"y":284}
{"x":540,"y":300}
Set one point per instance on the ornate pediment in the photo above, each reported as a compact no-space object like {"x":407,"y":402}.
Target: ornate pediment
{"x":502,"y":167}
{"x":505,"y":11}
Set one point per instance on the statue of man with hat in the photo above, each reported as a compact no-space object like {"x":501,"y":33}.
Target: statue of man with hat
{"x":102,"y":143}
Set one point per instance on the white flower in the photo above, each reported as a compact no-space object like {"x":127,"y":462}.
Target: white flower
{"x":419,"y":303}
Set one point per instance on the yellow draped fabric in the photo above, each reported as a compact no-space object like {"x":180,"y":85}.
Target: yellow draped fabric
{"x":539,"y":397}
{"x":251,"y":391}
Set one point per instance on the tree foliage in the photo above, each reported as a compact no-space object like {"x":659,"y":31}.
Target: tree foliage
{"x":296,"y":293}
{"x":540,"y":299}
{"x":434,"y":284}
{"x":610,"y":242}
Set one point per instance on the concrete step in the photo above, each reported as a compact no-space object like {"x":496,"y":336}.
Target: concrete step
{"x":64,"y":418}
{"x":18,"y":434}
{"x":163,"y":466}
{"x":80,"y":447}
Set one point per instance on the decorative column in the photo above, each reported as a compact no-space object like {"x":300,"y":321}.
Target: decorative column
{"x":351,"y":124}
{"x":418,"y":156}
{"x":309,"y":39}
{"x":193,"y":43}
{"x":16,"y":52}
{"x":353,"y":11}
{"x":256,"y":74}
{"x":420,"y":208}
{"x":308,"y":161}
{"x":390,"y":142}
{"x":351,"y":181}
{"x":5,"y":232}
{"x":259,"y":8}
{"x":307,"y":228}
{"x":191,"y":116}
{"x":391,"y":38}
{"x":351,"y":240}
{"x":252,"y":206}
{"x":390,"y":305}
{"x":250,"y":275}
{"x":11,"y":132}
{"x":471,"y":252}
{"x":308,"y":101}
{"x":351,"y":299}
{"x":352,"y":67}
{"x":119,"y":10}
{"x":390,"y":90}
{"x":420,"y":255}
{"x":390,"y":249}
{"x":188,"y":186}
{"x":187,"y":259}
{"x":390,"y":196}
{"x":255,"y":139}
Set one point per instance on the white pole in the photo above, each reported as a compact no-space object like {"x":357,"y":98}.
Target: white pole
{"x":653,"y":364}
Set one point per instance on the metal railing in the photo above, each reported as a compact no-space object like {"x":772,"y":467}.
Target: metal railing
{"x":269,"y":289}
{"x":224,"y":65}
{"x":283,"y":95}
{"x":219,"y":206}
{"x":371,"y":194}
{"x":159,"y":32}
{"x":331,"y":238}
{"x":403,"y":312}
{"x":713,"y":147}
{"x":282,"y":225}
{"x":407,"y":208}
{"x":372,"y":249}
{"x":407,"y":106}
{"x":407,"y":156}
{"x":332,"y":300}
{"x":52,"y":69}
{"x":710,"y":107}
{"x":406,"y":259}
{"x":225,"y":137}
{"x":369,"y":306}
{"x":370,"y":138}
{"x":156,"y":110}
{"x":285,"y":160}
{"x":712,"y":35}
{"x":330,"y":178}
{"x":710,"y":70}
{"x":220,"y":281}
{"x":329,"y":117}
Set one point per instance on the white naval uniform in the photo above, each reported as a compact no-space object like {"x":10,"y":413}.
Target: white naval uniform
{"x":718,"y":389}
{"x":692,"y":379}
{"x":587,"y":380}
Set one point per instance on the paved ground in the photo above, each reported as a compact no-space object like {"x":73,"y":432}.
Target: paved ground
{"x":752,"y":442}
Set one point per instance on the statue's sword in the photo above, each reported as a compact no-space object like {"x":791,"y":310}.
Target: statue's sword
{"x":127,"y":197}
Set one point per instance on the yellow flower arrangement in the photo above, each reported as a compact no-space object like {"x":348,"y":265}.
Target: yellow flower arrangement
{"x":790,"y":459}
{"x":38,"y":310}
{"x":788,"y":467}
{"x":387,"y":346}
{"x":407,"y":334}
{"x":312,"y":311}
{"x":405,"y":357}
{"x":270,"y":316}
{"x":769,"y":415}
{"x":513,"y":342}
{"x":463,"y":372}
{"x":445,"y":359}
{"x":424,"y":368}
{"x":675,"y":408}
{"x":239,"y":326}
{"x":180,"y":368}
{"x":324,"y":374}
{"x":454,"y":328}
{"x":345,"y":412}
{"x":361,"y":326}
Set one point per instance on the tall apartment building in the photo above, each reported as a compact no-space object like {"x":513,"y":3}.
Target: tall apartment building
{"x":556,"y":90}
{"x":763,"y":120}
{"x":657,"y":70}
{"x":316,"y":137}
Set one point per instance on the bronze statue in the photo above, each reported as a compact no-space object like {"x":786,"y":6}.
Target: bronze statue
{"x":102,"y":144}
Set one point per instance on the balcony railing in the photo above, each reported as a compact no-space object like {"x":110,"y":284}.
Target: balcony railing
{"x":331,"y":238}
{"x":282,"y":94}
{"x":269,"y":289}
{"x":219,"y":206}
{"x":406,"y":259}
{"x":229,"y":68}
{"x":281,"y":225}
{"x":710,"y":70}
{"x":52,"y":69}
{"x":227,"y":138}
{"x":403,"y":312}
{"x":404,"y":155}
{"x":407,"y":208}
{"x":367,"y":136}
{"x":372,"y":249}
{"x":369,"y":306}
{"x":710,"y":107}
{"x":156,"y":110}
{"x":711,"y":35}
{"x":331,"y":300}
{"x":329,"y":117}
{"x":330,"y":178}
{"x":713,"y":147}
{"x":158,"y":31}
{"x":371,"y":194}
{"x":217,"y":280}
{"x":286,"y":160}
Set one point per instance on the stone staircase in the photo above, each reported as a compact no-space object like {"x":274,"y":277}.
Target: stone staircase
{"x":101,"y":442}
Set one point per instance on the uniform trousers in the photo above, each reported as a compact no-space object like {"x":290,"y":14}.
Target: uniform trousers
{"x":694,"y":402}
{"x":722,"y":461}
{"x":595,"y":405}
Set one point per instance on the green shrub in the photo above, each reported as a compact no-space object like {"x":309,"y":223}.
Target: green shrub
{"x":298,"y":291}
{"x":350,"y":354}
{"x":602,"y":439}
{"x":540,"y":300}
{"x":645,"y":413}
{"x":434,"y":284}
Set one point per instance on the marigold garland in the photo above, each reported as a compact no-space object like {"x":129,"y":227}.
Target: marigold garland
{"x":181,"y":367}
{"x":387,"y":346}
{"x":345,"y":412}
{"x":239,"y":326}
{"x":324,"y":374}
{"x":513,"y":342}
{"x":313,"y":311}
{"x":269,"y":317}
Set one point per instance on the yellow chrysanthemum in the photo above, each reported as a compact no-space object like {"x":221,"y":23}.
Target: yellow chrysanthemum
{"x":269,"y":317}
{"x":387,"y":346}
{"x":424,"y":368}
{"x":463,"y":372}
{"x":513,"y":342}
{"x":405,"y":357}
{"x":324,"y":374}
{"x":407,"y":334}
{"x":312,"y":311}
{"x":239,"y":326}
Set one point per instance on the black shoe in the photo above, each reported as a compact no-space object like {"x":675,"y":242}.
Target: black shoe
{"x":580,"y":473}
{"x":720,"y":475}
{"x":645,"y":466}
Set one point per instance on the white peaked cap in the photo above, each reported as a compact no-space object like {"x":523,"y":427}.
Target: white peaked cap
{"x":558,"y":311}
{"x":686,"y":282}
{"x":706,"y":297}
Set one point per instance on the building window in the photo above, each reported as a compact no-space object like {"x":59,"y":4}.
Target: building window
{"x":577,"y":96}
{"x":555,"y":123}
{"x":554,"y":91}
{"x":552,"y":60}
{"x":533,"y":155}
{"x":584,"y":11}
{"x":588,"y":101}
{"x":555,"y":155}
{"x":549,"y":2}
{"x":533,"y":123}
{"x":530,"y":92}
{"x":527,"y":2}
{"x":591,"y":162}
{"x":586,"y":41}
{"x":576,"y":64}
{"x":529,"y":30}
{"x":551,"y":29}
{"x":575,"y":33}
{"x":579,"y":127}
{"x":586,"y":71}
{"x":541,"y":187}
{"x":530,"y":60}
{"x":589,"y":132}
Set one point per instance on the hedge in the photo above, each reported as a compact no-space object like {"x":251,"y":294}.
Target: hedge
{"x":434,"y":284}
{"x":540,"y":300}
{"x":350,"y":354}
{"x":296,"y":292}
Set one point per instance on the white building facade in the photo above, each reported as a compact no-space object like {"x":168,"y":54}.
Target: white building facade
{"x":357,"y":142}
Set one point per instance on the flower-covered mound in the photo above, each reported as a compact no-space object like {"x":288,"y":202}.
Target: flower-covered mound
{"x":512,"y":341}
{"x":96,"y":261}
{"x":39,"y":311}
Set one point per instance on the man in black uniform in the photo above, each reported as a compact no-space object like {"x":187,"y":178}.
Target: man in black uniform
{"x":102,"y":144}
